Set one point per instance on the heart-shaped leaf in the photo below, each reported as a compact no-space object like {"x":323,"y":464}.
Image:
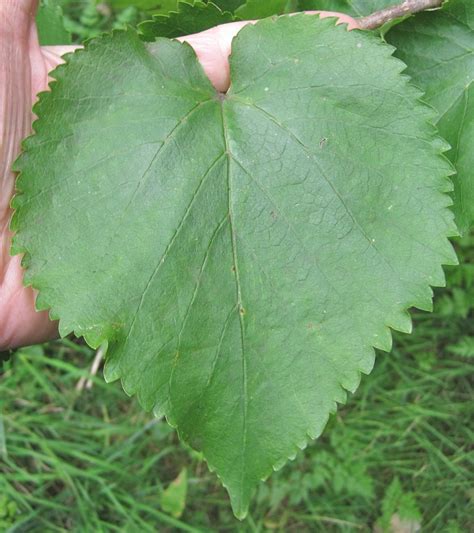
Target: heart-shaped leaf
{"x":240,"y":254}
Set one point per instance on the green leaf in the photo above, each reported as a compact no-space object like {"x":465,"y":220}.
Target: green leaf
{"x":229,"y":5}
{"x":4,"y":357}
{"x":129,"y":16}
{"x":190,"y":18}
{"x":356,"y":8}
{"x":50,"y":24}
{"x":241,"y":254}
{"x":399,"y":510}
{"x":173,"y":499}
{"x":438,"y":48}
{"x":464,"y":347}
{"x":164,"y":7}
{"x":158,"y":6}
{"x":256,"y":9}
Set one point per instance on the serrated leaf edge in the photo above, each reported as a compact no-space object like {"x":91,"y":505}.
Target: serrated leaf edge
{"x":160,"y":17}
{"x":385,"y":334}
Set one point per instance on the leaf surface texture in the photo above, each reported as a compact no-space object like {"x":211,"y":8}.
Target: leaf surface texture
{"x":241,"y":255}
{"x":438,"y":48}
{"x":189,"y":17}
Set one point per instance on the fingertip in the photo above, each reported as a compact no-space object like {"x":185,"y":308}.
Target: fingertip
{"x":212,"y":48}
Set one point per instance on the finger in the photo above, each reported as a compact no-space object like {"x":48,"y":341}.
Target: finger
{"x":16,"y":27}
{"x":213,"y":46}
{"x":53,"y":54}
{"x":20,"y":324}
{"x":19,"y":52}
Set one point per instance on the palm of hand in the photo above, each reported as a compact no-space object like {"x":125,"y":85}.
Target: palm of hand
{"x":27,"y":67}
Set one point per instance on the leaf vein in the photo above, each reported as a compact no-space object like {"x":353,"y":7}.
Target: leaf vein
{"x":240,"y":308}
{"x":170,"y":244}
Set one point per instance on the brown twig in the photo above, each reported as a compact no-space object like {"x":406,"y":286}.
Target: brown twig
{"x":408,"y":7}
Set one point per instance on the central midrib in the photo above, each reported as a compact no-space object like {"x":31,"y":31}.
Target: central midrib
{"x":240,"y":306}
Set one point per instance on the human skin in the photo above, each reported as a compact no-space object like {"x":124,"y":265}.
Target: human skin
{"x":24,"y":68}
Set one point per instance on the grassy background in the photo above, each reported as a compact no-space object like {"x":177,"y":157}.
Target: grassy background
{"x":92,"y":460}
{"x":395,"y":458}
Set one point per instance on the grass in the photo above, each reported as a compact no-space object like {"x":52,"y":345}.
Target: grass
{"x":94,"y":461}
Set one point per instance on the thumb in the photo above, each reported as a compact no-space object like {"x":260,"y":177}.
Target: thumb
{"x":213,"y":46}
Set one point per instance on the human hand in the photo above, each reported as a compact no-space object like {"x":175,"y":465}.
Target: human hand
{"x":24,"y":68}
